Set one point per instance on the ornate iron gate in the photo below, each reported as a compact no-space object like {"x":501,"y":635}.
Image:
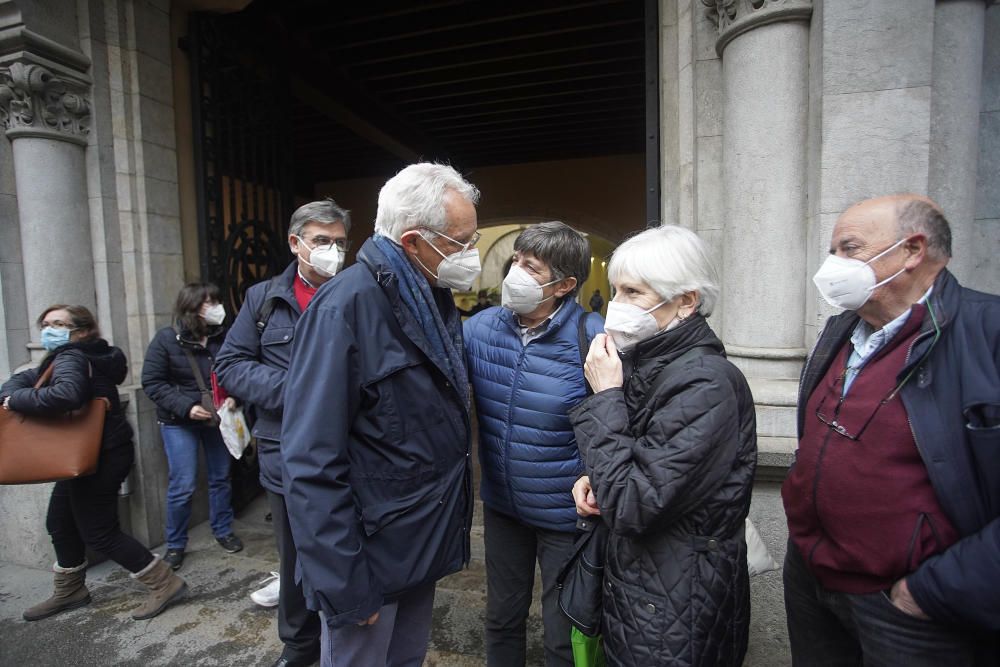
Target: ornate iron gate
{"x":242,"y":159}
{"x":242,"y":166}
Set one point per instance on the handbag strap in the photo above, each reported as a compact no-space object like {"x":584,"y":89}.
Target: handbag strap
{"x":195,"y":370}
{"x":46,"y":375}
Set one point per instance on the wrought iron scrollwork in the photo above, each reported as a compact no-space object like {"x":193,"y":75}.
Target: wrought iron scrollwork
{"x":241,"y":156}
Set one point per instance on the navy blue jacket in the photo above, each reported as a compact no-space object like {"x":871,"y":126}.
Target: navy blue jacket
{"x":251,"y":366}
{"x":166,"y":373}
{"x":523,"y":396}
{"x":375,"y":457}
{"x":953,"y":403}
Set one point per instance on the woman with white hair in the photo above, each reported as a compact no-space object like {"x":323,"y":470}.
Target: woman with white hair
{"x":669,"y":443}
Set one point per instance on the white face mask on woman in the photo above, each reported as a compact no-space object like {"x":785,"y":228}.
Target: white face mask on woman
{"x":629,"y":325}
{"x":215,"y":314}
{"x":848,"y":283}
{"x":521,"y":293}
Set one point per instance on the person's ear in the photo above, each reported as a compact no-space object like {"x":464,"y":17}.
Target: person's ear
{"x":687,"y":304}
{"x":565,"y":286}
{"x":915,"y":248}
{"x":408,"y":241}
{"x":293,"y":244}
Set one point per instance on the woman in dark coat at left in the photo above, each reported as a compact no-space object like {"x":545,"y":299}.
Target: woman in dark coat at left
{"x":83,"y":512}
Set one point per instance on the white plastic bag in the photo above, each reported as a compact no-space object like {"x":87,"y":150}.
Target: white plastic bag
{"x":235,"y":432}
{"x":759,"y":560}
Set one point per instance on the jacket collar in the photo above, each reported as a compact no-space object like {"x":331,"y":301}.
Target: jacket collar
{"x":283,"y":287}
{"x":943,"y":300}
{"x":375,"y":261}
{"x":565,"y":311}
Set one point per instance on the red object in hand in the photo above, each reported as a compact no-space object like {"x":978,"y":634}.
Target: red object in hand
{"x":219,"y":393}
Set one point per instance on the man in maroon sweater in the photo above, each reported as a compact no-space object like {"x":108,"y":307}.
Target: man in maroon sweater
{"x":893,"y":503}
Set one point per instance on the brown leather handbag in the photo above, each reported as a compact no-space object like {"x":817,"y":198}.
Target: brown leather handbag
{"x":51,"y":448}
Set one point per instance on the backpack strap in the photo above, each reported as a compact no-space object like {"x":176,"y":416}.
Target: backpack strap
{"x":267,"y":306}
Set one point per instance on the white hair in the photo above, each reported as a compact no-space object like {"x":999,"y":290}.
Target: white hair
{"x":672,"y":260}
{"x":415,"y":198}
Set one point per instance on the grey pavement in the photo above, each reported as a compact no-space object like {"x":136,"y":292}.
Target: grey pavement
{"x":217,"y":625}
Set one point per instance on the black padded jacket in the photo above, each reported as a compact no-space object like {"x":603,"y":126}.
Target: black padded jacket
{"x":671,"y":460}
{"x":81,"y":371}
{"x":167,"y":377}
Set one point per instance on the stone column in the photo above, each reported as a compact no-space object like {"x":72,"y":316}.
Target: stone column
{"x":46,"y":117}
{"x":764,"y":46}
{"x":957,"y":71}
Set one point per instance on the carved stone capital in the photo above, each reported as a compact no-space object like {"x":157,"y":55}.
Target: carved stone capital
{"x":36,"y":102}
{"x":735,"y":17}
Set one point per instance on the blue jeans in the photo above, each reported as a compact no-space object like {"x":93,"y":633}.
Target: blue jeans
{"x":181,"y":445}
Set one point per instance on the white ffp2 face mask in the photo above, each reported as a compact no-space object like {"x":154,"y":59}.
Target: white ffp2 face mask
{"x":521,"y":293}
{"x":848,"y":283}
{"x":326,"y":260}
{"x":215,"y":314}
{"x":456,"y":271}
{"x":629,"y":325}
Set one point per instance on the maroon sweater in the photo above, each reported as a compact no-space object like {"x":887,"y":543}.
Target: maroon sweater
{"x":863,"y":512}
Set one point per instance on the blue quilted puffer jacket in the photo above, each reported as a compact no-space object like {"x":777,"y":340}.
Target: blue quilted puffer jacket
{"x":523,"y":394}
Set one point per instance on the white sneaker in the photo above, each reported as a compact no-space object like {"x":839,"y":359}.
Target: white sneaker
{"x":268,"y":595}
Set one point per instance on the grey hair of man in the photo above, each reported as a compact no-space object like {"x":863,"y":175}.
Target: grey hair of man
{"x":562,"y":248}
{"x":918,"y":216}
{"x":672,"y":260}
{"x":325,"y":212}
{"x":415,"y":198}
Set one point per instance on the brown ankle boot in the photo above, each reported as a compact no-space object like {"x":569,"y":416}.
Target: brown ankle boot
{"x":165,"y":588}
{"x":70,"y":592}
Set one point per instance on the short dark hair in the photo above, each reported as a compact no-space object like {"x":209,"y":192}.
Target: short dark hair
{"x":564,"y":249}
{"x":83,"y":320}
{"x":324,"y":211}
{"x":188,"y":306}
{"x":919,"y":217}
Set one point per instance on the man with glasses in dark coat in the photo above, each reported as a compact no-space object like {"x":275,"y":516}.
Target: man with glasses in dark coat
{"x":252,"y":365}
{"x":375,"y":451}
{"x":893,"y":502}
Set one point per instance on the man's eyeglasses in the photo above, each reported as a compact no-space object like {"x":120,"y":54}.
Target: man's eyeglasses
{"x":471,"y":243}
{"x":839,"y":428}
{"x":325,"y":242}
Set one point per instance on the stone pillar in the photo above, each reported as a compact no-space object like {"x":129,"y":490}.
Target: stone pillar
{"x":956,"y":84}
{"x":46,"y":117}
{"x":764,"y":46}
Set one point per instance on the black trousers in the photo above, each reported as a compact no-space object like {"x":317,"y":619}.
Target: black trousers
{"x":512,"y":548}
{"x":83,"y":512}
{"x":298,"y":627}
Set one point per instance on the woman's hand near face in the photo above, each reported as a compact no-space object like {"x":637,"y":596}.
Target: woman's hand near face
{"x":583,"y":496}
{"x":603,"y":368}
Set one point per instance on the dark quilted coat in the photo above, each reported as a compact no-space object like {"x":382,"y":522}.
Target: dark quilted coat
{"x":671,"y":461}
{"x":523,"y":392}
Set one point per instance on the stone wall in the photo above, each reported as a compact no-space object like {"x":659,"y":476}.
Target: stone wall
{"x":90,"y":212}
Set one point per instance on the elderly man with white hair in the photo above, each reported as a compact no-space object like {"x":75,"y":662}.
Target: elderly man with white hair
{"x":376,"y":433}
{"x":669,"y":444}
